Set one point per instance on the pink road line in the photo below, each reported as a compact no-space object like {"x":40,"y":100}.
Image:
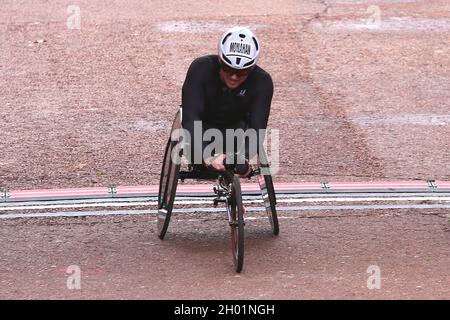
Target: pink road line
{"x":443,"y":184}
{"x":137,"y":189}
{"x":298,"y":186}
{"x":303,"y":186}
{"x":379,"y":185}
{"x":100,"y":191}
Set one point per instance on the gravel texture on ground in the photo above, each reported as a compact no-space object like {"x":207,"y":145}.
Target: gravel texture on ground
{"x":362,"y":93}
{"x":356,"y":98}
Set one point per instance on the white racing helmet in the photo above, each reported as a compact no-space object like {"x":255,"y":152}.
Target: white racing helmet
{"x":239,"y":48}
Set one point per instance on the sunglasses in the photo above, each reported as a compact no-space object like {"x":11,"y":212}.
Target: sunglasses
{"x":238,"y":72}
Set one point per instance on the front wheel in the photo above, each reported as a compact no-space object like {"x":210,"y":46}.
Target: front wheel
{"x":236,"y":210}
{"x":269,"y":199}
{"x":167,"y":189}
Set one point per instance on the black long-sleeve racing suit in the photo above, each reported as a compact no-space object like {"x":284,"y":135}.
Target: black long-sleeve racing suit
{"x":206,"y":98}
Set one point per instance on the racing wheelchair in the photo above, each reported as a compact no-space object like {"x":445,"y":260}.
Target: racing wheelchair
{"x":227,"y":190}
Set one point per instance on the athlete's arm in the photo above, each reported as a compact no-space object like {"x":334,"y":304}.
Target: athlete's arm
{"x":260,"y":109}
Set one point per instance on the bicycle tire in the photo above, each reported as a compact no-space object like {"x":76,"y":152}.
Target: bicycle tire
{"x":237,"y":224}
{"x":269,"y":199}
{"x":167,"y":189}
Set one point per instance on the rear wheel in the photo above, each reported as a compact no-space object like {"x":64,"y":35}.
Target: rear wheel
{"x":237,"y":224}
{"x":168,"y":182}
{"x":269,"y":199}
{"x":268,"y":192}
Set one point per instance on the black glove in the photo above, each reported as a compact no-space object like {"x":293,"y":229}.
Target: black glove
{"x":242,"y":168}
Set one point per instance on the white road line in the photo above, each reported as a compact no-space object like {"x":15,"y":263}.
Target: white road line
{"x":199,"y":202}
{"x":368,"y":199}
{"x":83,"y":205}
{"x":248,"y":209}
{"x":245,"y":197}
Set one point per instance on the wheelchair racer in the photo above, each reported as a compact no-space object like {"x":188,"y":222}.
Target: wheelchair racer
{"x":227,"y":91}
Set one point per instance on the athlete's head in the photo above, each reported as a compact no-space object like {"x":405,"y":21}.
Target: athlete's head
{"x":238,"y":53}
{"x":239,"y":48}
